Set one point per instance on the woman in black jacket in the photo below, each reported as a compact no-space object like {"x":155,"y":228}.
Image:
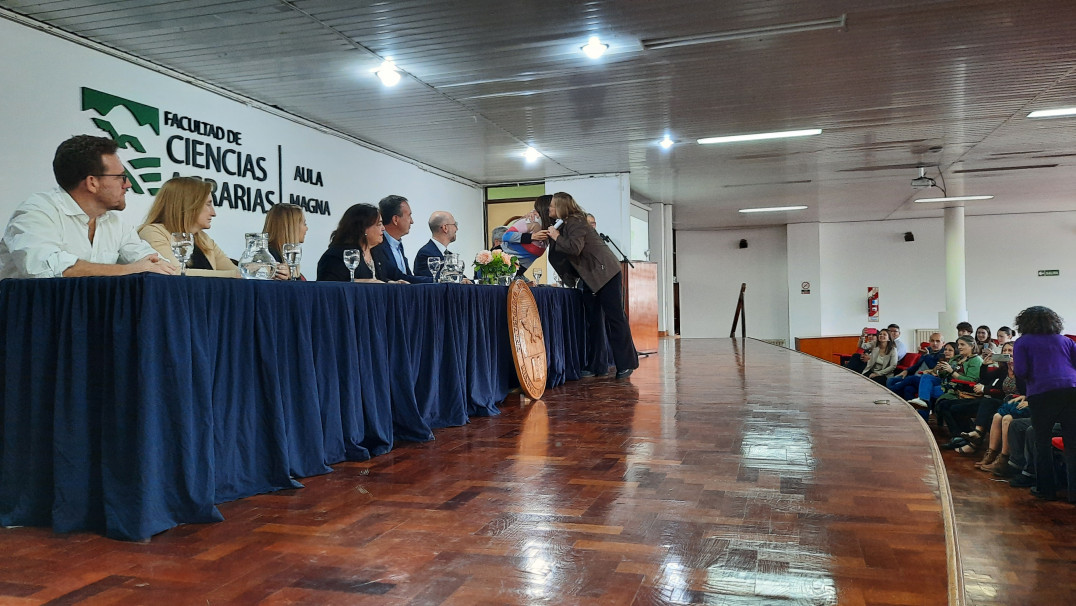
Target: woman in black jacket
{"x":598,"y":268}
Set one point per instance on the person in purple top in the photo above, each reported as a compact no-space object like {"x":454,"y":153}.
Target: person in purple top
{"x":1046,"y":361}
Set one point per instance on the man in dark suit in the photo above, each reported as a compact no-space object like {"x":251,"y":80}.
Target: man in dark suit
{"x":442,"y":233}
{"x":396,"y":215}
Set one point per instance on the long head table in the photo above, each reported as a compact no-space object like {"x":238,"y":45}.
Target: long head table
{"x":130,"y":405}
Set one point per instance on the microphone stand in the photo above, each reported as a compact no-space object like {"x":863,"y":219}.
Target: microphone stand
{"x":623,"y":257}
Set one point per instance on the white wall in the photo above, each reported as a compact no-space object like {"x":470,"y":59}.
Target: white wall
{"x":710,"y":267}
{"x":40,"y":99}
{"x":1004,"y":255}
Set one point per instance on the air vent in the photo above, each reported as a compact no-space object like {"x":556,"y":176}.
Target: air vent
{"x":740,"y":34}
{"x":866,"y":169}
{"x":767,"y":184}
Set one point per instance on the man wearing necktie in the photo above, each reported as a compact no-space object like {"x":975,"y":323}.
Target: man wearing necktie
{"x":442,"y":233}
{"x":396,"y":215}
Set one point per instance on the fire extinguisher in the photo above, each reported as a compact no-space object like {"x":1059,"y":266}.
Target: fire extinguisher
{"x":873,"y":314}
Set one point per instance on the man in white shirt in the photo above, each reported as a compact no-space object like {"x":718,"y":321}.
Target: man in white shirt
{"x":894,"y":336}
{"x":75,"y":230}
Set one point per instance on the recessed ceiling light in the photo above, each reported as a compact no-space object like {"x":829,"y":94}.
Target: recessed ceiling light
{"x":1053,"y":113}
{"x":761,"y":136}
{"x":772,"y":209}
{"x":955,"y":199}
{"x":387,"y":73}
{"x":667,"y":142}
{"x":531,"y":154}
{"x":594,"y":48}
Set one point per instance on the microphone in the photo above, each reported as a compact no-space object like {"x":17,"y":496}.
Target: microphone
{"x":558,"y":224}
{"x":603,"y":236}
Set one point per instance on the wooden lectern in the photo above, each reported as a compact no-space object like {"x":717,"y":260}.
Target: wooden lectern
{"x":641,"y":303}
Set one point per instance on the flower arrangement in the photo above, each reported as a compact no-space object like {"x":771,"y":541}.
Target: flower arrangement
{"x":494,"y":264}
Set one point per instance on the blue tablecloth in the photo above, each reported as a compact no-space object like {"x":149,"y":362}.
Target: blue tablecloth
{"x":130,"y":405}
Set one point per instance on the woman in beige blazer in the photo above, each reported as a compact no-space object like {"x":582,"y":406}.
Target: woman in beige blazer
{"x":184,"y":204}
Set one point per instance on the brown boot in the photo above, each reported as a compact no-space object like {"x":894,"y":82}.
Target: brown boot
{"x":988,"y":457}
{"x":999,"y":467}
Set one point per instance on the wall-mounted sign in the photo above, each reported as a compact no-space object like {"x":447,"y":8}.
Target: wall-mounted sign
{"x":1049,"y":272}
{"x":805,"y":288}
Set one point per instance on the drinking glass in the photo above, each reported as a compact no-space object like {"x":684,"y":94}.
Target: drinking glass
{"x":352,"y":258}
{"x":434,"y":263}
{"x":182,"y":248}
{"x":293,"y":253}
{"x":537,"y":276}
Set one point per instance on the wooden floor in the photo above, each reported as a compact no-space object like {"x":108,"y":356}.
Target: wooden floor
{"x":722,"y":472}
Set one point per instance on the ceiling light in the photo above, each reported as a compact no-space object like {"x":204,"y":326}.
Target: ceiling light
{"x":667,"y":142}
{"x":761,"y":136}
{"x":594,"y":48}
{"x":955,"y":199}
{"x":740,"y":34}
{"x":387,"y":73}
{"x":772,"y":209}
{"x":531,"y":154}
{"x":1053,"y":113}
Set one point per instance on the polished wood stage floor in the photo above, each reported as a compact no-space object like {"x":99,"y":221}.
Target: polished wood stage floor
{"x":722,"y":472}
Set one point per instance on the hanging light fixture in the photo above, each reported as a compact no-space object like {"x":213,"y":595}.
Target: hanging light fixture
{"x":594,"y":48}
{"x":387,"y":73}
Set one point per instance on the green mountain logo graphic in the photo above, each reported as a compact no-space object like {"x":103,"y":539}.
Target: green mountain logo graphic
{"x":144,"y":116}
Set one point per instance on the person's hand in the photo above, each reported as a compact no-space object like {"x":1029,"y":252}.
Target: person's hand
{"x":540,"y":235}
{"x":154,"y":264}
{"x":282,"y":272}
{"x":553,"y":233}
{"x":987,"y":356}
{"x":399,"y":282}
{"x":1023,"y":403}
{"x":944,"y":366}
{"x":902,"y":374}
{"x":978,"y":388}
{"x":466,"y":281}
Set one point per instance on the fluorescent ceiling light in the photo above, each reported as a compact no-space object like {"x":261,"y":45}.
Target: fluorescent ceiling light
{"x":387,"y":73}
{"x":761,"y":136}
{"x":740,"y":34}
{"x":772,"y":209}
{"x":667,"y":142}
{"x":594,"y":48}
{"x":955,"y":199}
{"x":531,"y":154}
{"x":1053,"y":113}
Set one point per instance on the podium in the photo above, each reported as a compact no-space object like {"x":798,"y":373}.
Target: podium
{"x":640,"y":285}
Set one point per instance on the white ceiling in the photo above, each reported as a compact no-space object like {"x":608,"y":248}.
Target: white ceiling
{"x":905,"y":83}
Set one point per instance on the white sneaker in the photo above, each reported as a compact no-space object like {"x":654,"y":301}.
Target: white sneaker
{"x":918,"y":403}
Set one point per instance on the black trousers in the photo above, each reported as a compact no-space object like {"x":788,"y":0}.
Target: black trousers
{"x":1057,"y":405}
{"x":605,"y":314}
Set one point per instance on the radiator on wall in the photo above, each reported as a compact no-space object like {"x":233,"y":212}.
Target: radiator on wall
{"x":922,"y":335}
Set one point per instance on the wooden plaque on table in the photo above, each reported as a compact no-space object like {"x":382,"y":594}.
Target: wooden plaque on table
{"x":528,"y":339}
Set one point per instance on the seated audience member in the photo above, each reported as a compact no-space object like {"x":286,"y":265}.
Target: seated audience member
{"x":75,"y":229}
{"x":285,"y":224}
{"x":867,"y":338}
{"x":894,"y":335}
{"x":184,"y":204}
{"x":1046,"y":360}
{"x":929,"y":384}
{"x":906,"y":381}
{"x":396,"y":214}
{"x":525,"y":240}
{"x":883,"y":359}
{"x":361,"y":229}
{"x":442,"y":233}
{"x":964,"y":328}
{"x":963,"y":369}
{"x":1021,"y":466}
{"x":1003,"y":336}
{"x":997,"y":384}
{"x":497,"y":236}
{"x":983,"y":340}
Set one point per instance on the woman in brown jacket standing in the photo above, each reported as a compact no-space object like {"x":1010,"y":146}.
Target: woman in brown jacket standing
{"x":599,"y":271}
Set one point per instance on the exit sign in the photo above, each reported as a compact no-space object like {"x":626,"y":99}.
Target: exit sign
{"x":1048,"y":272}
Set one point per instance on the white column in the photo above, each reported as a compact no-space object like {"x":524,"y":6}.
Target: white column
{"x":661,"y":251}
{"x":956,"y":297}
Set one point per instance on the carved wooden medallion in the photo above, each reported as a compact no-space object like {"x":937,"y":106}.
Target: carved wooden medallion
{"x":528,"y":340}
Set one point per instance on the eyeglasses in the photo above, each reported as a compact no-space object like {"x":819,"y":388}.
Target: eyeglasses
{"x":122,"y":176}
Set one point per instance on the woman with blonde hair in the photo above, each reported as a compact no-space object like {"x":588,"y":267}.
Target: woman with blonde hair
{"x":598,"y":268}
{"x":184,"y":204}
{"x":285,"y":224}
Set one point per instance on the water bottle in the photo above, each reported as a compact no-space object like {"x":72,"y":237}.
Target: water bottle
{"x":257,"y":263}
